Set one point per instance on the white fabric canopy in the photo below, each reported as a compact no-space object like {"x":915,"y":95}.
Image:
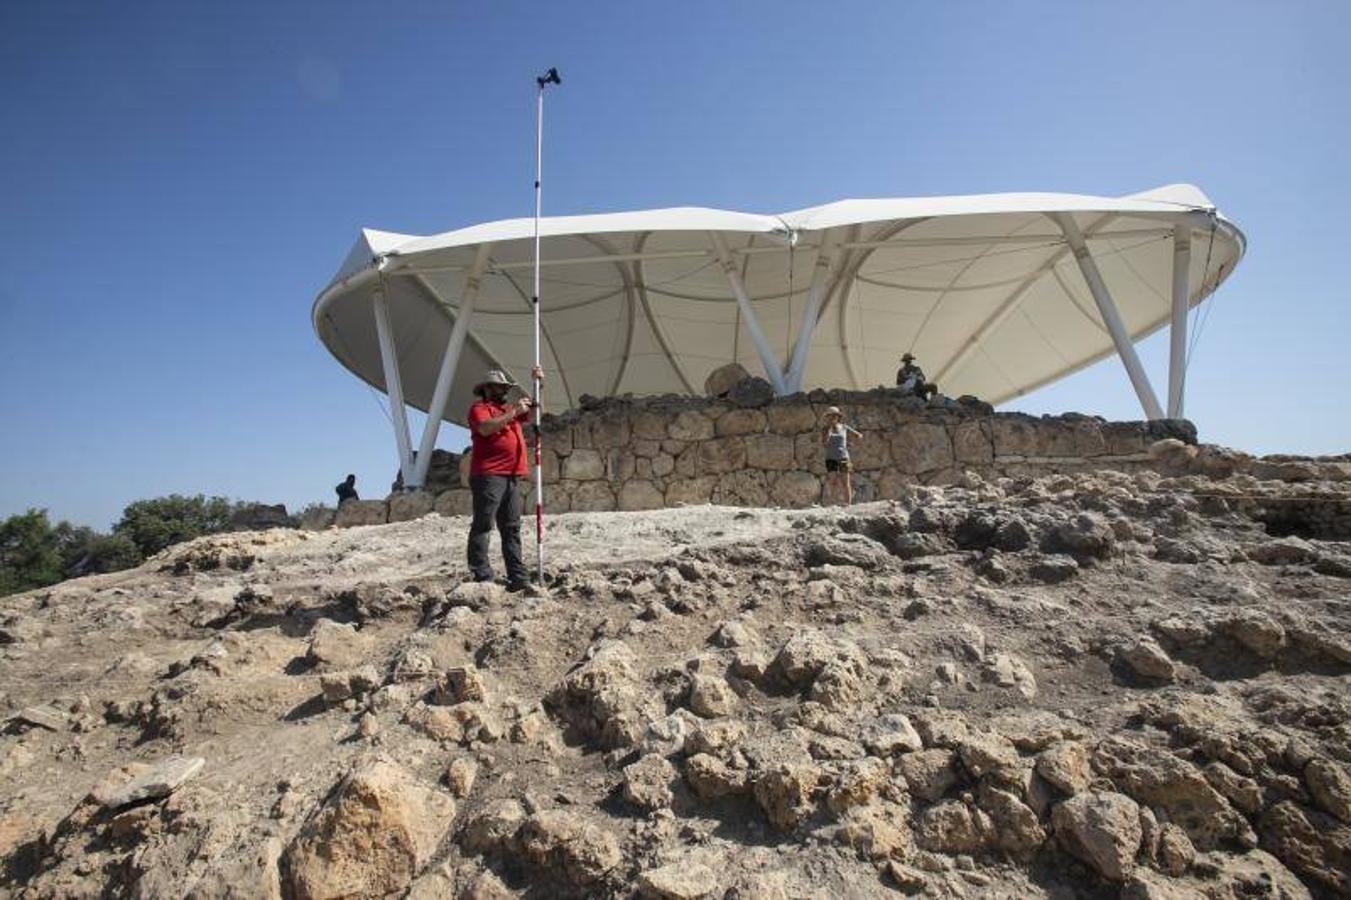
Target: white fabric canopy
{"x":985,"y":290}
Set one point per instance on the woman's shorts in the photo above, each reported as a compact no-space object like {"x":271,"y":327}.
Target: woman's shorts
{"x":838,"y":465}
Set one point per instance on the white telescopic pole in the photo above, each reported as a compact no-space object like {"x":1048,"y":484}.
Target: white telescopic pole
{"x":534,"y":302}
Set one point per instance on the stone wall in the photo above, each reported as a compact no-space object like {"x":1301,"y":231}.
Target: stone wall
{"x":752,"y":450}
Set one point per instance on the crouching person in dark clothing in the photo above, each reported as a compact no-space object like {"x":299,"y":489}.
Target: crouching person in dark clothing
{"x":497,"y":471}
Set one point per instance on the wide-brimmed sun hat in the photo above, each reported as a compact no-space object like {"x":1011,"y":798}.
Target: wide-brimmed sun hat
{"x":493,"y":376}
{"x":907,"y":357}
{"x":833,"y":411}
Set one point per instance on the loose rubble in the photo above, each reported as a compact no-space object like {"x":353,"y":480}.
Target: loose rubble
{"x":1077,"y":685}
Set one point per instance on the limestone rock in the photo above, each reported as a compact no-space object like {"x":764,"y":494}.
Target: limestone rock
{"x":710,"y":777}
{"x":153,"y":783}
{"x":361,"y":512}
{"x":919,"y":448}
{"x":689,"y":425}
{"x":891,"y":734}
{"x":952,"y":826}
{"x":461,"y":684}
{"x":375,"y":833}
{"x":1008,"y":671}
{"x":928,"y":773}
{"x":678,"y":881}
{"x":638,"y":494}
{"x":1102,"y":829}
{"x":1258,"y":632}
{"x":336,"y":644}
{"x":460,"y":776}
{"x":751,"y":393}
{"x":564,"y":841}
{"x":1148,"y":660}
{"x":411,"y":505}
{"x":857,"y":783}
{"x":1330,"y":785}
{"x":795,"y":489}
{"x":1064,"y":765}
{"x":584,"y":465}
{"x":494,"y":828}
{"x":785,"y":794}
{"x":647,"y":782}
{"x":1176,"y":852}
{"x":710,"y":697}
{"x":989,"y":754}
{"x":721,"y":379}
{"x":1315,"y":846}
{"x":1161,"y":780}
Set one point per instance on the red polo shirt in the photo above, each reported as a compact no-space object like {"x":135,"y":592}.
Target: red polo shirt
{"x":502,"y":453}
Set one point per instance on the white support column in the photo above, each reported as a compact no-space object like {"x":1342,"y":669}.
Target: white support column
{"x":449,"y":361}
{"x":393,"y":384}
{"x":797,"y":363}
{"x":1177,"y":331}
{"x":1110,"y":316}
{"x":743,"y":300}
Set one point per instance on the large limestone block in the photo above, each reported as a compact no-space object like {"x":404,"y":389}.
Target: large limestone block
{"x":550,"y":467}
{"x":1014,"y":436}
{"x":1102,"y":829}
{"x":443,"y":473}
{"x":648,"y":426}
{"x":810,"y":454}
{"x":740,"y":421}
{"x":592,"y":496}
{"x":1126,"y":438}
{"x":720,"y":455}
{"x":795,"y":490}
{"x":412,"y":505}
{"x":1088,"y":438}
{"x":361,"y":512}
{"x":872,"y":451}
{"x":584,"y":465}
{"x":455,"y":503}
{"x":639,"y":494}
{"x":770,"y":451}
{"x":742,"y":488}
{"x":620,"y":465}
{"x":610,"y":431}
{"x":921,"y":448}
{"x":893,"y":484}
{"x":722,"y":379}
{"x":971,"y":444}
{"x":376,"y":832}
{"x":690,"y":490}
{"x":690,"y":425}
{"x":791,"y":418}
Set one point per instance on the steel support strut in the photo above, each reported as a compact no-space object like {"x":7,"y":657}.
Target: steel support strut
{"x":743,"y":301}
{"x":797,"y":363}
{"x":1111,"y":317}
{"x":450,"y":360}
{"x":1177,"y":330}
{"x":393,"y":383}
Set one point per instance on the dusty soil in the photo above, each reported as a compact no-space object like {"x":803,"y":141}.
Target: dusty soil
{"x":1080,"y":686}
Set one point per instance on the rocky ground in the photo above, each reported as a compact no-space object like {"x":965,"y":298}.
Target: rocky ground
{"x":1079,"y":686}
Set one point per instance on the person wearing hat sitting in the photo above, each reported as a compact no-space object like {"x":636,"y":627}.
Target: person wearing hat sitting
{"x":497,"y":466}
{"x":835,"y":438}
{"x":910,"y":379}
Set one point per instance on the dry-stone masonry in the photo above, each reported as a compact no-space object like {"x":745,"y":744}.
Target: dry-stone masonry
{"x":747,"y":449}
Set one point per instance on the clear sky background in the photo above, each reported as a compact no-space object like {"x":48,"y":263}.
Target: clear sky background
{"x":178,"y":180}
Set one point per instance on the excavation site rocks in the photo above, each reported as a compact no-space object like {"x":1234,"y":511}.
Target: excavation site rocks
{"x":1097,"y":684}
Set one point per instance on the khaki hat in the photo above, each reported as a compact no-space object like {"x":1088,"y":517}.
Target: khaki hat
{"x":493,"y":376}
{"x":833,"y":411}
{"x":907,"y":357}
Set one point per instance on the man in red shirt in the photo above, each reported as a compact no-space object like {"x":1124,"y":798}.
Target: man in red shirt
{"x":497,"y":465}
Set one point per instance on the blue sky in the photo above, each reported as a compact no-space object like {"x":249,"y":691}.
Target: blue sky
{"x":179,"y":180}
